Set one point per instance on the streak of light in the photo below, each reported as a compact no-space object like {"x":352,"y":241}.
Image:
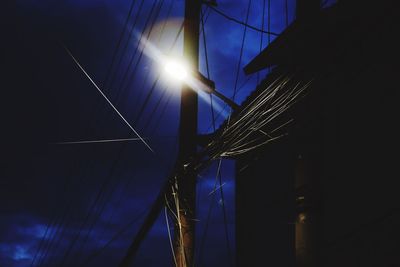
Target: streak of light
{"x":96,"y":141}
{"x":215,"y":190}
{"x":106,"y":98}
{"x":169,"y":236}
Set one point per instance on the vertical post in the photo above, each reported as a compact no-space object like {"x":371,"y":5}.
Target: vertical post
{"x":186,"y":182}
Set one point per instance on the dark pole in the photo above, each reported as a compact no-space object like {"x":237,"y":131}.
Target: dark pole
{"x":186,"y":180}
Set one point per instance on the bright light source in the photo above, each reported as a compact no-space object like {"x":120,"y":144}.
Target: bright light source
{"x":176,"y":70}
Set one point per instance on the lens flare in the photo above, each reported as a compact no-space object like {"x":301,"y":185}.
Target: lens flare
{"x":176,"y":69}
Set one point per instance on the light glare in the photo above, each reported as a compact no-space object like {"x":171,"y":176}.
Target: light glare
{"x":176,"y":70}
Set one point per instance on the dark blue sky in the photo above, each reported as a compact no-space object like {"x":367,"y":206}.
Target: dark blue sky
{"x":98,"y":189}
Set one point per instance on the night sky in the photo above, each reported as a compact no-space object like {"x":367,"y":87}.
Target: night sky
{"x":62,"y":203}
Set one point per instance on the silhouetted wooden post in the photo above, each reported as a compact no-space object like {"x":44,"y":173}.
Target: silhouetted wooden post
{"x":186,"y":182}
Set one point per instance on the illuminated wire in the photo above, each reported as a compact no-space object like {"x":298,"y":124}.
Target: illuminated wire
{"x":96,"y":141}
{"x":169,"y":236}
{"x":106,"y":98}
{"x":241,"y":50}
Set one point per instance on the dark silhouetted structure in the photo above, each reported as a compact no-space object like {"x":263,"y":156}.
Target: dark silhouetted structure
{"x":326,"y":194}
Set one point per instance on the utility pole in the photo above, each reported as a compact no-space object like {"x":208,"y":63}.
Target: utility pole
{"x":186,"y":180}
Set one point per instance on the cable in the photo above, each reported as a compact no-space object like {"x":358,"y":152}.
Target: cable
{"x":207,"y":65}
{"x":150,"y":93}
{"x":139,"y":97}
{"x":103,"y":187}
{"x":61,"y":225}
{"x":102,"y":141}
{"x":102,"y":207}
{"x":234,"y":139}
{"x":241,"y":22}
{"x":269,"y":21}
{"x":226,"y":105}
{"x":157,"y":124}
{"x":204,"y":43}
{"x":225,"y":219}
{"x":261,"y":35}
{"x":241,"y":51}
{"x":88,"y":214}
{"x":121,"y":36}
{"x":109,"y":72}
{"x":136,"y":67}
{"x":150,"y":117}
{"x":127,"y":42}
{"x":50,"y":224}
{"x":214,"y":128}
{"x":122,"y":87}
{"x":169,"y":236}
{"x":210,"y":208}
{"x":269,"y":28}
{"x":113,"y":238}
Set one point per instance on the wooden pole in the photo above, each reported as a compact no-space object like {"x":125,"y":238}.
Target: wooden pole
{"x":186,"y":180}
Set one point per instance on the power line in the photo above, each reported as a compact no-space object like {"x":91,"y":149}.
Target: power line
{"x":226,"y":105}
{"x":150,"y":93}
{"x":225,"y":218}
{"x":96,"y":141}
{"x":122,"y":87}
{"x":121,"y":36}
{"x":98,"y":196}
{"x":103,"y":206}
{"x":142,"y":50}
{"x":241,"y":50}
{"x":42,"y":245}
{"x":113,"y":238}
{"x":169,"y":11}
{"x":163,"y":109}
{"x":115,"y":52}
{"x":169,"y":236}
{"x":60,"y":226}
{"x":128,"y":41}
{"x":269,"y":21}
{"x":214,"y":128}
{"x":261,"y":35}
{"x":210,"y":208}
{"x":150,"y":117}
{"x":241,"y":22}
